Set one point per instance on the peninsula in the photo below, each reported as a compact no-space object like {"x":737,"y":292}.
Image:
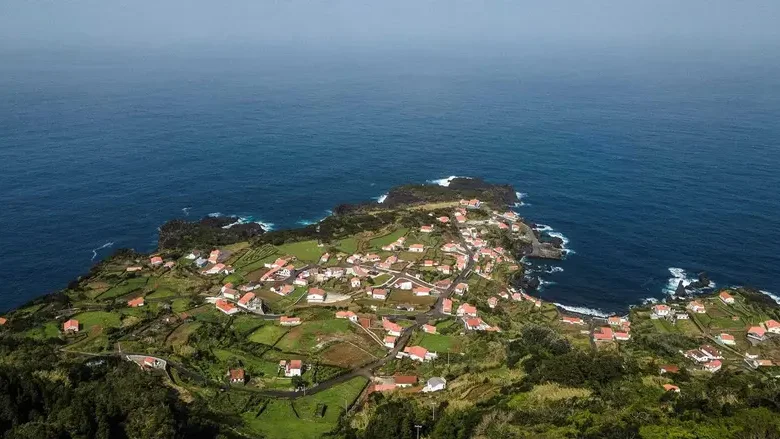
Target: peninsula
{"x":384,"y":320}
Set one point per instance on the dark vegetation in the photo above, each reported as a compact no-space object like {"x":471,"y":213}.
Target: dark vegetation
{"x":208,"y":232}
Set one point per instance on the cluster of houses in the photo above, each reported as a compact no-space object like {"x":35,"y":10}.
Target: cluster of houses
{"x":617,"y":328}
{"x":471,"y":321}
{"x":230,"y":297}
{"x":706,"y":355}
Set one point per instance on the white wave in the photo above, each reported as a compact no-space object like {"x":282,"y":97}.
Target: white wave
{"x":381,"y":199}
{"x":559,"y":235}
{"x":446,"y":181}
{"x":310,"y":222}
{"x":215,"y":214}
{"x":774,"y":297}
{"x":95,"y":250}
{"x":678,"y":275}
{"x":583,"y":310}
{"x":245,"y":220}
{"x":520,"y":202}
{"x":542,"y":228}
{"x":649,"y":301}
{"x":554,"y":270}
{"x":186,"y":210}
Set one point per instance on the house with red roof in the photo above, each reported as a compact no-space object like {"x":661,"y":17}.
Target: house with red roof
{"x":133,"y":269}
{"x":214,"y":256}
{"x":229,"y":292}
{"x":622,"y":336}
{"x":461,"y":288}
{"x":713,"y":366}
{"x":379,"y":294}
{"x":696,"y":307}
{"x":757,"y":333}
{"x":71,"y":325}
{"x":428,"y":263}
{"x":237,"y":376}
{"x":289,"y":321}
{"x":460,"y":218}
{"x":669,"y":368}
{"x":661,"y":310}
{"x":156,"y":260}
{"x":393,"y":329}
{"x":772,"y":326}
{"x":405,"y":380}
{"x":316,"y":295}
{"x":446,"y":306}
{"x":671,"y":388}
{"x":475,"y":324}
{"x":726,"y":298}
{"x":351,"y":316}
{"x":517,"y":297}
{"x":283,"y":290}
{"x":292,"y":368}
{"x":492,"y":302}
{"x":422,"y":291}
{"x":429,"y":329}
{"x":426,"y":229}
{"x":443,"y":219}
{"x":169,"y":264}
{"x":249,"y":301}
{"x":450,"y":247}
{"x":150,"y":362}
{"x":419,"y":353}
{"x":390,"y":341}
{"x":572,"y":320}
{"x":135,"y":303}
{"x":216,"y":269}
{"x":444,"y":269}
{"x":3,"y":321}
{"x":467,"y":310}
{"x":604,"y":333}
{"x":226,"y":307}
{"x":416,"y":248}
{"x":727,"y":339}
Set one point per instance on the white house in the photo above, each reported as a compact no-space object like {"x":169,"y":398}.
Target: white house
{"x":661,"y":310}
{"x":404,"y":284}
{"x":379,"y":294}
{"x":292,"y":368}
{"x":422,"y":291}
{"x":435,"y":384}
{"x":416,"y":248}
{"x":316,"y":295}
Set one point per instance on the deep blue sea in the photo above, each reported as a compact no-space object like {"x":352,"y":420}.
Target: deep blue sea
{"x":644,"y":159}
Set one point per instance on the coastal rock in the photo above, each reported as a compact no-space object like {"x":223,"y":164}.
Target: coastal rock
{"x":205,"y":233}
{"x":703,"y":281}
{"x":680,"y":291}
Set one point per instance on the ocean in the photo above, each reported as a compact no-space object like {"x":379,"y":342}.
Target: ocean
{"x":652,"y":163}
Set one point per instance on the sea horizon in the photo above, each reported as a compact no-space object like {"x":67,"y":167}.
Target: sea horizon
{"x":646,"y":165}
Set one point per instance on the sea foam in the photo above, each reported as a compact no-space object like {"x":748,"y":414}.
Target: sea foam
{"x":582,"y":310}
{"x":95,"y":250}
{"x":245,"y":220}
{"x":446,"y":181}
{"x":381,"y":199}
{"x":677,"y":275}
{"x":520,"y":196}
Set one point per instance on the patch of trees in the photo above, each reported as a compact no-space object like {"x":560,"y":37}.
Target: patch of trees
{"x":208,"y":232}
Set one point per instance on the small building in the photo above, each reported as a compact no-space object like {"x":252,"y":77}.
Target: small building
{"x":226,"y":307}
{"x":435,"y":384}
{"x":133,"y":269}
{"x":604,"y":333}
{"x":696,"y":307}
{"x":405,"y":380}
{"x":379,"y":294}
{"x":476,"y":324}
{"x":461,"y":288}
{"x":156,"y":261}
{"x":419,"y":353}
{"x":492,"y":302}
{"x":450,"y":247}
{"x":466,"y":310}
{"x":354,"y":282}
{"x":390,"y":341}
{"x":393,"y":329}
{"x":237,"y":376}
{"x":195,"y":254}
{"x":757,"y":333}
{"x":443,"y":219}
{"x":349,"y":315}
{"x":426,"y":229}
{"x":573,"y":320}
{"x":422,"y":291}
{"x":669,"y":368}
{"x":316,"y":295}
{"x":289,"y":321}
{"x":71,"y":325}
{"x":229,"y":292}
{"x":444,"y":269}
{"x":135,"y":303}
{"x":429,"y":329}
{"x":292,"y":368}
{"x":169,"y":264}
{"x":214,"y":256}
{"x":249,"y":301}
{"x":713,"y":366}
{"x":446,"y":306}
{"x":726,"y":298}
{"x":150,"y":362}
{"x":3,"y":321}
{"x":661,"y":310}
{"x":416,"y":248}
{"x":285,"y":289}
{"x":772,"y":326}
{"x":622,"y":336}
{"x":404,"y":284}
{"x":727,"y":339}
{"x":671,"y":388}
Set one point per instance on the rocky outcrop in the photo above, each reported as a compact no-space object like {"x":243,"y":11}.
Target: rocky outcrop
{"x":208,"y":232}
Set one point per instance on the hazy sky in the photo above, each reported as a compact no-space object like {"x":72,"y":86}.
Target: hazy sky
{"x":165,"y":22}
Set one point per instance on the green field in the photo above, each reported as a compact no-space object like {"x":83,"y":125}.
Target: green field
{"x":268,"y":334}
{"x":348,"y":245}
{"x":379,"y":242}
{"x":255,"y":367}
{"x":49,"y":330}
{"x":246,"y":324}
{"x":180,"y":335}
{"x":89,"y":319}
{"x":304,"y":337}
{"x":123,"y":288}
{"x":161,"y":293}
{"x":303,"y":250}
{"x":278,"y":420}
{"x":440,"y":343}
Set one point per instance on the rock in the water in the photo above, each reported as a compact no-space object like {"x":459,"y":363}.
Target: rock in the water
{"x":703,"y":281}
{"x":680,"y":291}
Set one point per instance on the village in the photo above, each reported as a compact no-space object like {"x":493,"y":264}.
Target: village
{"x":415,"y":311}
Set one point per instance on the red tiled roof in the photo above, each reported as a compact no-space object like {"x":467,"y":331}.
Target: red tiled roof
{"x":417,"y":351}
{"x":138,"y":301}
{"x":246,"y":298}
{"x":405,"y":379}
{"x":237,"y":374}
{"x":296,"y":364}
